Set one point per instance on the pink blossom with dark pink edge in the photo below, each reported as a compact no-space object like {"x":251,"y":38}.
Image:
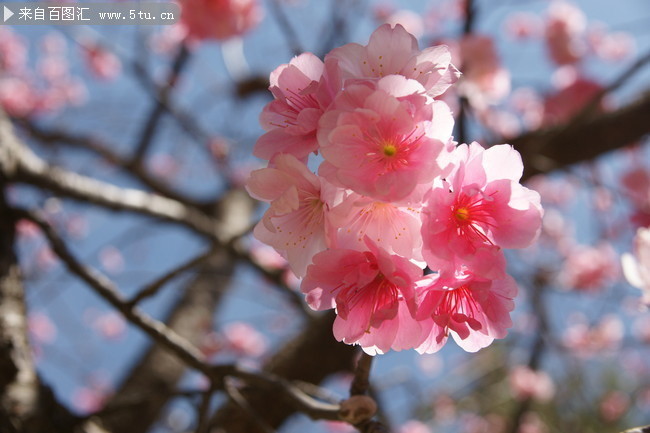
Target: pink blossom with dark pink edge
{"x":291,"y":119}
{"x":479,"y":208}
{"x":383,"y":142}
{"x":473,"y":310}
{"x":296,"y":222}
{"x":367,"y":289}
{"x":636,"y":266}
{"x":219,"y":19}
{"x":564,"y":33}
{"x":394,"y":51}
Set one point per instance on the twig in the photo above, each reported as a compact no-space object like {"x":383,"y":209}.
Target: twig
{"x":169,"y":339}
{"x":147,"y":134}
{"x":153,"y":288}
{"x":157,"y":330}
{"x":240,"y":401}
{"x":361,"y":382}
{"x":203,"y":409}
{"x":286,"y":27}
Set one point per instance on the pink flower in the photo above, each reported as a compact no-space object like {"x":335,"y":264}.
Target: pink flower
{"x":41,"y":328}
{"x":17,"y":97}
{"x":526,"y":383}
{"x":383,"y":142}
{"x":244,"y":340}
{"x":589,"y":268}
{"x":292,"y":118}
{"x":636,"y":266}
{"x":219,"y":19}
{"x":373,"y":293}
{"x":561,"y":106}
{"x":296,"y":222}
{"x":414,"y":426}
{"x":479,"y":207}
{"x":636,"y":183}
{"x":411,"y":21}
{"x":522,"y":25}
{"x":394,"y":51}
{"x":484,"y":80}
{"x":103,"y":63}
{"x":13,"y":51}
{"x":564,"y":33}
{"x":473,"y":310}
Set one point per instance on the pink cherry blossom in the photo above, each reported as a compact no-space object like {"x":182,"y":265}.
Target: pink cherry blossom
{"x":219,"y":19}
{"x":13,"y":51}
{"x":292,"y":118}
{"x":392,"y":227}
{"x":367,"y":289}
{"x":480,"y":205}
{"x":244,"y":340}
{"x":636,"y":266}
{"x":484,"y":80}
{"x":17,"y":97}
{"x":523,"y":25}
{"x":296,"y":222}
{"x":473,"y":310}
{"x":103,"y":63}
{"x":411,"y":21}
{"x":564,"y":33}
{"x":384,"y":142}
{"x":414,"y":426}
{"x":526,"y":383}
{"x":41,"y":328}
{"x":589,"y":268}
{"x":561,"y":106}
{"x":636,"y":184}
{"x":394,"y":51}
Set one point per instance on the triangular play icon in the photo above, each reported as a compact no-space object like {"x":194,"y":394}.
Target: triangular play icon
{"x":7,"y":14}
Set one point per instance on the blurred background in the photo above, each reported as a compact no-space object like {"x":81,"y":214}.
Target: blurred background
{"x":134,"y":143}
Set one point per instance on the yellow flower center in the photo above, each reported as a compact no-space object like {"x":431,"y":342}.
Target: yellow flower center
{"x":389,"y":149}
{"x":462,"y":214}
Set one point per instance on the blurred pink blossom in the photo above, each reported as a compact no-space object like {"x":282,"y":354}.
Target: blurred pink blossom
{"x":110,"y":325}
{"x":588,"y":268}
{"x":244,"y":340}
{"x":220,"y":19}
{"x":414,"y":426}
{"x":585,"y":340}
{"x":526,"y":383}
{"x":41,"y":327}
{"x":484,"y":80}
{"x":564,"y":33}
{"x":614,"y":405}
{"x":111,"y":259}
{"x":523,"y":25}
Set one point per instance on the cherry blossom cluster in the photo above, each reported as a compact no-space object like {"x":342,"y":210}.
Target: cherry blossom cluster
{"x":400,"y":229}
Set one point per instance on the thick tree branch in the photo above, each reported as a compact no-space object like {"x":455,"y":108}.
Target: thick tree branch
{"x":554,"y":148}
